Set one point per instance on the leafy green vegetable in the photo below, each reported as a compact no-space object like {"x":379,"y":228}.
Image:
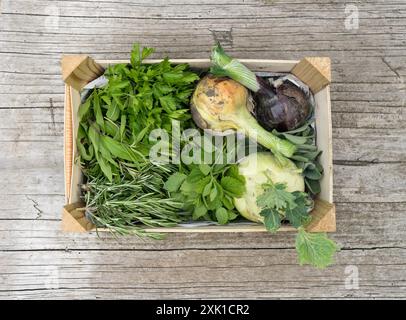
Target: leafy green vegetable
{"x":137,"y":99}
{"x":315,"y":248}
{"x":276,"y":197}
{"x":175,"y":181}
{"x":277,"y":205}
{"x":222,"y":215}
{"x":207,"y":190}
{"x":272,"y":219}
{"x":124,"y":189}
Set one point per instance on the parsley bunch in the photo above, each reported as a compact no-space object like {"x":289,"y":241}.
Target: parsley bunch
{"x":115,"y":120}
{"x":278,"y":205}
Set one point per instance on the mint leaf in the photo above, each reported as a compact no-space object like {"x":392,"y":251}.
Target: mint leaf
{"x":213,"y":193}
{"x":174,"y":182}
{"x":195,"y":175}
{"x":222,"y":215}
{"x":205,"y":169}
{"x":315,"y":249}
{"x":234,"y":187}
{"x":228,"y":202}
{"x":233,"y":172}
{"x":200,"y":211}
{"x":272,"y":219}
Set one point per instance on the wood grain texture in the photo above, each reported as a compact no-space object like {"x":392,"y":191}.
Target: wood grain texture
{"x":368,"y":95}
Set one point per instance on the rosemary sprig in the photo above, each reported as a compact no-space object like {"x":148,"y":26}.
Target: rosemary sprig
{"x":136,"y":199}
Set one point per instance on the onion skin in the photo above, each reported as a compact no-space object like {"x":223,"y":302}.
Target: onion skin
{"x":283,"y":108}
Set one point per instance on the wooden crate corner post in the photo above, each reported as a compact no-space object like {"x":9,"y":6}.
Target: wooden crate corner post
{"x":323,"y":217}
{"x":74,"y":219}
{"x":314,"y":71}
{"x":78,"y":70}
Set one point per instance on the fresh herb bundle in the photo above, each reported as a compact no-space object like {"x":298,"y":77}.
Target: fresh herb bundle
{"x":135,"y":199}
{"x":208,"y":190}
{"x":124,"y":190}
{"x":115,"y":120}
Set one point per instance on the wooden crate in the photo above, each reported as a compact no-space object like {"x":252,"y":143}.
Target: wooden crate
{"x":78,"y":70}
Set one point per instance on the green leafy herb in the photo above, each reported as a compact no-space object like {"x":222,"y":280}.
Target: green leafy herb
{"x":272,"y":219}
{"x":276,"y":197}
{"x":134,"y":200}
{"x":124,"y":190}
{"x":306,"y":155}
{"x":208,"y":190}
{"x":175,"y":181}
{"x":137,"y":99}
{"x":277,"y":205}
{"x":315,"y":248}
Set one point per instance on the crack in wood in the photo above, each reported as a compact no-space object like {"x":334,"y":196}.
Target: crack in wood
{"x":36,"y":207}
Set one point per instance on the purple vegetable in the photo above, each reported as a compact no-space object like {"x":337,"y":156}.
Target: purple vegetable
{"x":283,"y":105}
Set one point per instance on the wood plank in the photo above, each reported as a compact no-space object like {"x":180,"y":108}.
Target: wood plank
{"x":360,"y":225}
{"x":222,"y":274}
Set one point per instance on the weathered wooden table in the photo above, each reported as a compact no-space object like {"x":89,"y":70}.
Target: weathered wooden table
{"x":369,"y":130}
